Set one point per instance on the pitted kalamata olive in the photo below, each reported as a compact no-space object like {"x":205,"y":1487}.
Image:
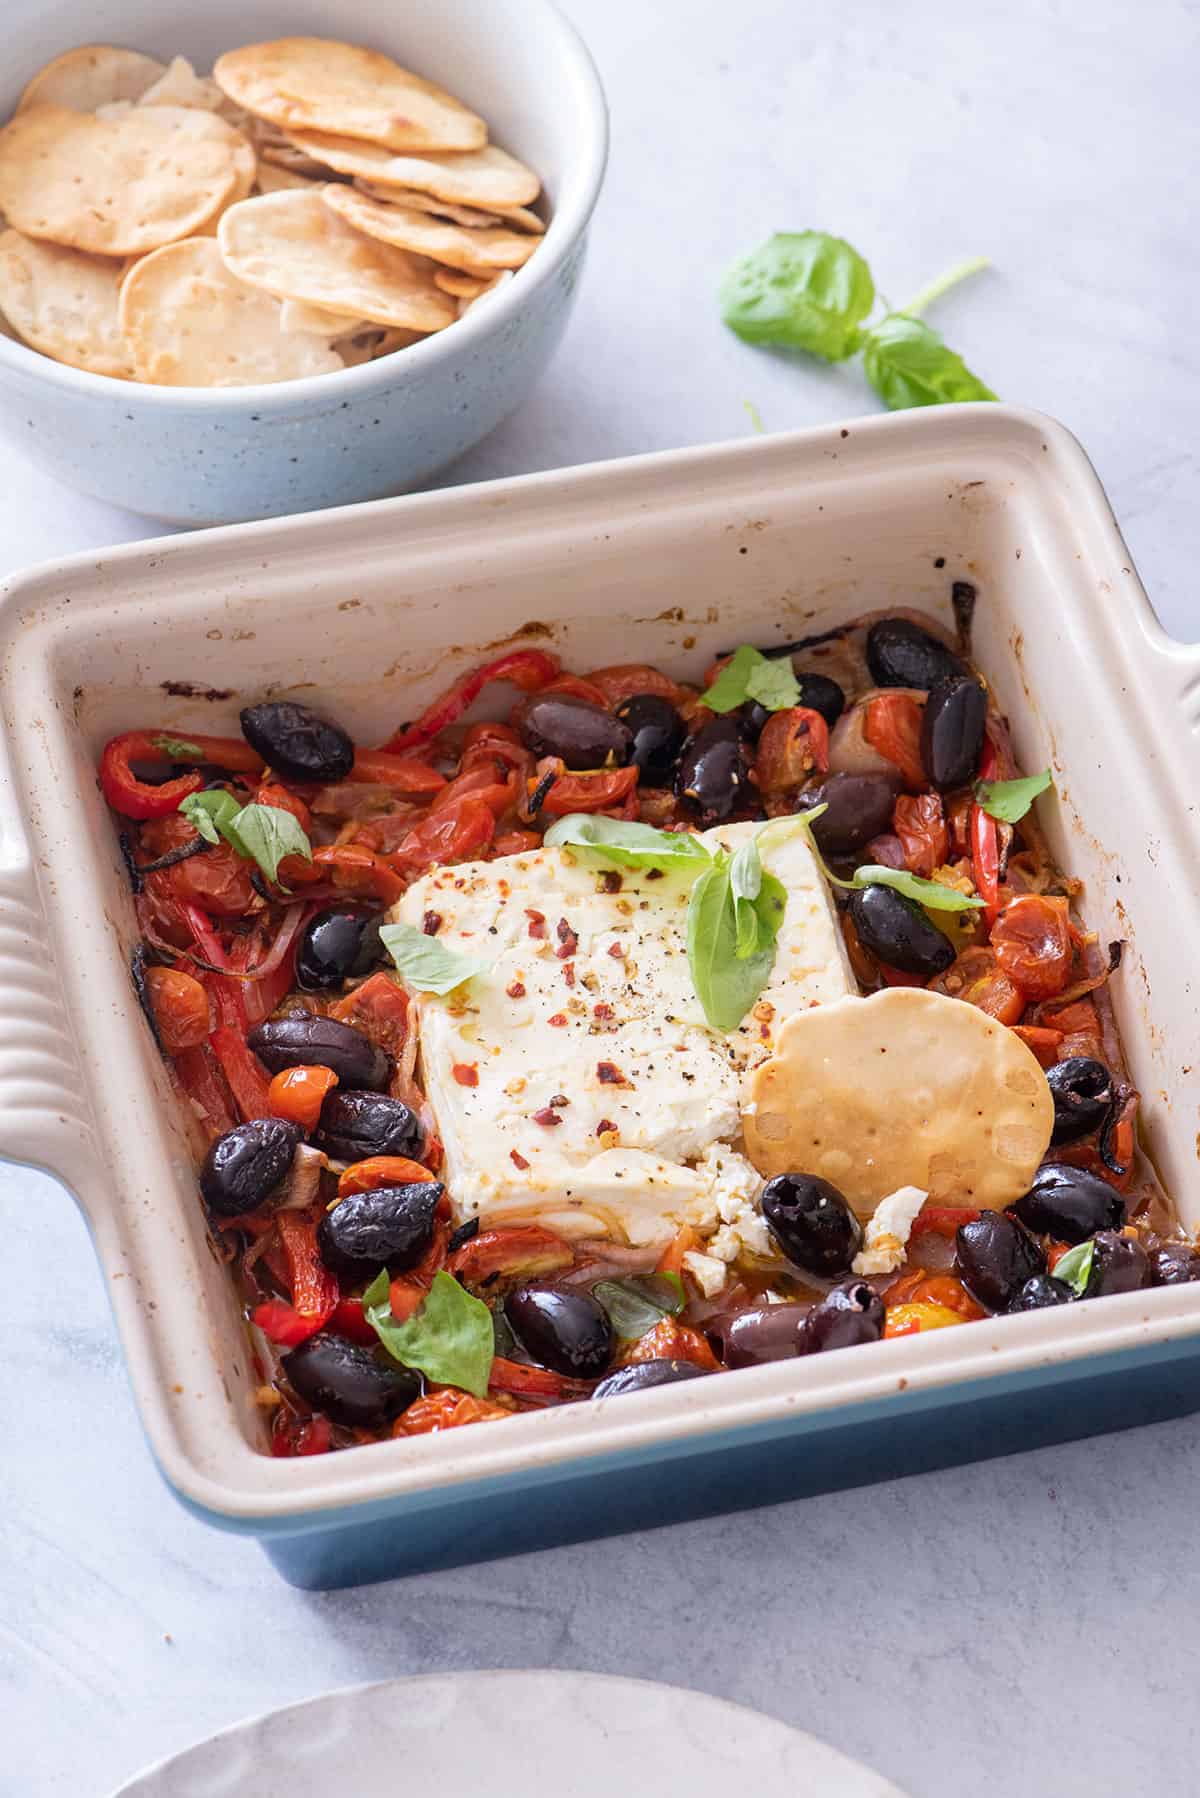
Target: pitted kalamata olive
{"x":752,"y":720}
{"x":569,"y":1332}
{"x":245,"y":1164}
{"x":713,"y":775}
{"x":581,"y":734}
{"x":896,"y":930}
{"x":755,"y":1334}
{"x":996,"y":1256}
{"x":952,"y":731}
{"x":812,"y":1224}
{"x":390,"y":1227}
{"x":355,"y":1125}
{"x":820,"y":694}
{"x":296,"y":742}
{"x":1040,"y":1292}
{"x":1174,"y":1264}
{"x":644,"y":1374}
{"x":1083,"y":1095}
{"x":303,"y":1040}
{"x":350,"y":1383}
{"x":1119,"y":1264}
{"x":338,"y":944}
{"x":859,"y":806}
{"x":850,"y":1314}
{"x":1069,"y":1204}
{"x":658,"y":734}
{"x":901,"y":654}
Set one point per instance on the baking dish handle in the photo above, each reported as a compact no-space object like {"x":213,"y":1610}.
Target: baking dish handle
{"x":44,"y":1118}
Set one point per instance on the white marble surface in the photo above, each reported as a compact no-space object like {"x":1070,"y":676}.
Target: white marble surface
{"x":1022,"y":1626}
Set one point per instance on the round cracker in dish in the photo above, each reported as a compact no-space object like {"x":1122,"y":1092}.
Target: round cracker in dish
{"x":905,"y":1088}
{"x":293,"y":246}
{"x":298,"y":315}
{"x":463,"y":287}
{"x":120,"y":186}
{"x":475,"y":252}
{"x":179,"y":85}
{"x":189,"y":323}
{"x":519,"y":217}
{"x":92,"y":75}
{"x":321,"y":84}
{"x":64,"y":303}
{"x":484,"y":178}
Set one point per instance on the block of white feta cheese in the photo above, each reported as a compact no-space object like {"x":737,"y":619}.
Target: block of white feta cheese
{"x":576,"y":1080}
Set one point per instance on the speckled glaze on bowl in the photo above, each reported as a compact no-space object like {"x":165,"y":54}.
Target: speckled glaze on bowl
{"x":221,"y":455}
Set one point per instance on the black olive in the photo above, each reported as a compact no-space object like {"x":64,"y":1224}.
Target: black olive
{"x":820,"y":694}
{"x":1174,"y":1264}
{"x":1069,"y":1204}
{"x":1041,"y":1291}
{"x":658,"y":734}
{"x":391,"y":1226}
{"x":296,"y":743}
{"x":644,"y":1374}
{"x":859,"y":806}
{"x":850,"y":1314}
{"x":952,"y":731}
{"x":757,"y":1333}
{"x":901,"y":654}
{"x":1119,"y":1264}
{"x":581,"y":734}
{"x":812,"y":1224}
{"x":752,"y":720}
{"x":338,"y":944}
{"x":713,"y":777}
{"x":569,"y":1332}
{"x":996,"y":1256}
{"x":245,"y":1164}
{"x":1083,"y":1095}
{"x":303,"y":1040}
{"x":895,"y":929}
{"x":348,"y":1382}
{"x":355,"y":1125}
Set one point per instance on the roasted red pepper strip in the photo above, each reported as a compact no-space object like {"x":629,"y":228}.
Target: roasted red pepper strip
{"x":281,"y":1323}
{"x":985,"y":844}
{"x":135,"y":798}
{"x":407,"y":776}
{"x":244,"y":1072}
{"x":528,"y":669}
{"x":314,"y":1288}
{"x":203,"y":1086}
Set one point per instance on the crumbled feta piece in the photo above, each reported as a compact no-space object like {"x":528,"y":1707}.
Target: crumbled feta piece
{"x":888,"y":1230}
{"x":709,"y":1273}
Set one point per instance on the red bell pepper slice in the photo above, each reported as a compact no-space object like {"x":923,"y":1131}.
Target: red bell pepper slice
{"x":314,"y":1289}
{"x":135,"y":798}
{"x":528,"y":669}
{"x":247,"y":1081}
{"x":204,"y":1087}
{"x":407,"y":777}
{"x":985,"y":844}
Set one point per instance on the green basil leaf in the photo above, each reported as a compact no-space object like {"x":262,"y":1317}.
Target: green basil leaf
{"x":929,"y":893}
{"x":179,"y":749}
{"x":748,"y":674}
{"x":907,"y":364}
{"x":728,"y":691}
{"x":425,"y":963}
{"x":1009,"y":800}
{"x":635,"y":1306}
{"x":211,"y":812}
{"x":746,"y":872}
{"x":804,"y":290}
{"x":266,"y":834}
{"x":450,"y":1339}
{"x":1074,"y":1268}
{"x":728,"y":981}
{"x":628,"y":844}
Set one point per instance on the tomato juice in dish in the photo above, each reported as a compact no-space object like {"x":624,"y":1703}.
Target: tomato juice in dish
{"x":636,"y":1033}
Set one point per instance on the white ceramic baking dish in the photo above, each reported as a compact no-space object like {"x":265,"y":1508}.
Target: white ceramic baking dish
{"x":369,"y":612}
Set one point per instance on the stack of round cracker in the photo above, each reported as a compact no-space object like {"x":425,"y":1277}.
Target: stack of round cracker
{"x":309,"y":207}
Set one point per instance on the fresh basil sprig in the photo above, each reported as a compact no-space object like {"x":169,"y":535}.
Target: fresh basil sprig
{"x":626,"y":843}
{"x":748,"y":674}
{"x":1074,"y":1268}
{"x":635,"y":1306}
{"x":1009,"y":800}
{"x":261,"y":833}
{"x":425,"y":963}
{"x":735,"y":910}
{"x":450,"y":1339}
{"x":810,"y":291}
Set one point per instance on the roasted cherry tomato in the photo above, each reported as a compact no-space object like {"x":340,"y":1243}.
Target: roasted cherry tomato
{"x":1032,"y":940}
{"x":920,"y":823}
{"x":910,"y":1320}
{"x":893,"y":727}
{"x":447,"y":1409}
{"x":515,"y":1251}
{"x":584,"y":792}
{"x":460,"y":833}
{"x":794,"y":745}
{"x":975,"y":976}
{"x":381,"y":1170}
{"x":215,"y":878}
{"x":181,"y":1008}
{"x":672,"y":1341}
{"x":624,"y":679}
{"x":299,"y":1093}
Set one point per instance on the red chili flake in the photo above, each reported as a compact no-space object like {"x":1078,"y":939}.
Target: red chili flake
{"x":610,"y":881}
{"x":616,"y":951}
{"x":466,"y":1073}
{"x":569,"y":973}
{"x":537,"y":922}
{"x":568,"y":941}
{"x":558,"y":1020}
{"x":516,"y":990}
{"x":517,"y":1159}
{"x":431,"y":923}
{"x":609,"y":1074}
{"x":604,"y":1012}
{"x":604,"y":1127}
{"x":546,"y":1116}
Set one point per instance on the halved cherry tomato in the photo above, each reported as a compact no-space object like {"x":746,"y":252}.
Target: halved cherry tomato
{"x":1080,"y":1027}
{"x":1032,"y":941}
{"x":382,"y":1170}
{"x":670,"y":1340}
{"x":893,"y":727}
{"x":299,"y":1093}
{"x":380,"y":1008}
{"x":528,"y":669}
{"x":514,"y":1251}
{"x":910,"y":1320}
{"x":793,"y":744}
{"x":458,"y":834}
{"x":625,"y":679}
{"x":943,"y":1290}
{"x":447,"y":1409}
{"x":587,"y":792}
{"x":181,"y":1008}
{"x":942,"y":1220}
{"x":516,"y":842}
{"x":1044,"y":1043}
{"x":920,"y":823}
{"x":975,"y":977}
{"x":216,"y":877}
{"x":135,"y":798}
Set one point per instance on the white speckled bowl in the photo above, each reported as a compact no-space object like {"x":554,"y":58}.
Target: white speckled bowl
{"x":220,"y":455}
